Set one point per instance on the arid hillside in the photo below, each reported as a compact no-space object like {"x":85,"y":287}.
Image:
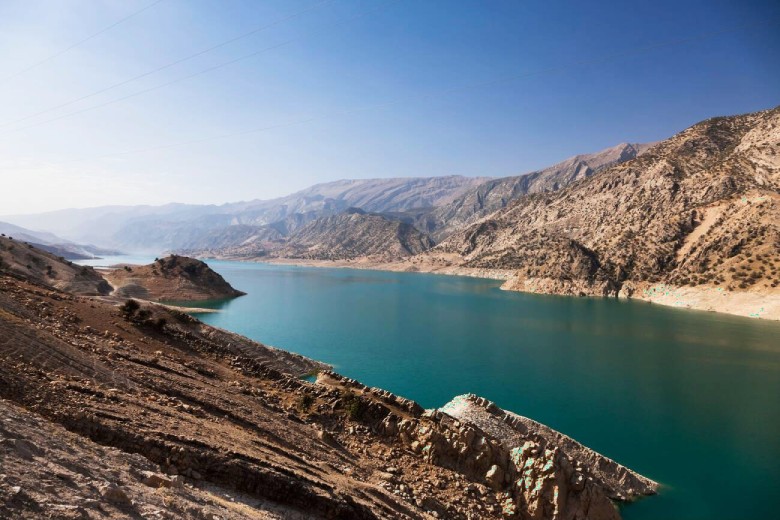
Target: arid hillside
{"x":24,"y":259}
{"x":700,"y":210}
{"x":173,"y":278}
{"x":355,"y":234}
{"x":129,"y":411}
{"x":498,"y":193}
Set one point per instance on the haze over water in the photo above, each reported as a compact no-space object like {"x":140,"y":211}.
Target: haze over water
{"x":690,"y":399}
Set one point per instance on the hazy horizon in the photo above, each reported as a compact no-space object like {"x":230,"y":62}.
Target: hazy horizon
{"x":151,"y":102}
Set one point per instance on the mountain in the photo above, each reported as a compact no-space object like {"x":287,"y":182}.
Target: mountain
{"x":54,"y":244}
{"x":115,"y":411}
{"x":173,"y":278}
{"x":498,"y":193}
{"x":355,"y":234}
{"x":99,"y":225}
{"x":699,"y":210}
{"x":431,"y":207}
{"x":183,"y":226}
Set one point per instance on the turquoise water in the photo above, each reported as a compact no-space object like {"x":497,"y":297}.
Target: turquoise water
{"x":690,"y":399}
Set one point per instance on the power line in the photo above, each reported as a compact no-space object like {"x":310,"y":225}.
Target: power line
{"x":195,"y":74}
{"x":446,"y":91}
{"x":80,"y":42}
{"x":170,"y":64}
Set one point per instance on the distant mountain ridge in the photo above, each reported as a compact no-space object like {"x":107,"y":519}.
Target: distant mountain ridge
{"x":54,"y":244}
{"x":434,"y":207}
{"x":182,"y":226}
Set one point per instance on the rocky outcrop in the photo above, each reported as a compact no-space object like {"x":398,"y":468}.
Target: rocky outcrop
{"x":536,"y":471}
{"x":173,"y":278}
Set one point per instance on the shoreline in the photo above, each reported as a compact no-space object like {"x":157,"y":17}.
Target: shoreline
{"x":763,"y":305}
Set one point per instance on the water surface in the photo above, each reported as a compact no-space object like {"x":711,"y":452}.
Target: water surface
{"x":688,"y":398}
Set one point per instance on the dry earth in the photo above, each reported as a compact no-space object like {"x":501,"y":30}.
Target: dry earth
{"x":168,"y":417}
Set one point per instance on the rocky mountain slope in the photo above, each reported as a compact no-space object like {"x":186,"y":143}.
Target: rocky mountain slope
{"x":169,"y":418}
{"x":173,"y":278}
{"x":498,"y":193}
{"x":23,"y":259}
{"x":353,"y":234}
{"x":447,"y":215}
{"x":697,"y":212}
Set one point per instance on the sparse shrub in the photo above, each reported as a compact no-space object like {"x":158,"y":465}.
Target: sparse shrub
{"x":354,"y":406}
{"x":129,"y":308}
{"x":182,"y":317}
{"x":160,"y":323}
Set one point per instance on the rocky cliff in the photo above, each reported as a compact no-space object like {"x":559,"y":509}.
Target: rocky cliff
{"x":131,"y":412}
{"x":173,"y":278}
{"x":699,"y":210}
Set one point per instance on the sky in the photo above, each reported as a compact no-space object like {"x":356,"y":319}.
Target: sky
{"x":207,"y":101}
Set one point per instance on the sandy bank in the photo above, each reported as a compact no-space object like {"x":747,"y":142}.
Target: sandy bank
{"x":764,"y":304}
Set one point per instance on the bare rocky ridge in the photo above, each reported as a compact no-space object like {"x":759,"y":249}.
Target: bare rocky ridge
{"x":170,"y":418}
{"x":698,"y":212}
{"x":498,"y":193}
{"x":354,"y":234}
{"x":173,"y":278}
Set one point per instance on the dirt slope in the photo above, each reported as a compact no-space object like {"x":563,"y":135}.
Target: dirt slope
{"x":24,"y":259}
{"x":206,"y":414}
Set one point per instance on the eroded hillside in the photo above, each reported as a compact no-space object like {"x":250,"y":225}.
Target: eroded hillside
{"x":700,"y":210}
{"x":168,"y":417}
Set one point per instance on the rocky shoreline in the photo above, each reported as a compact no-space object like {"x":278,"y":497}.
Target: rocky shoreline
{"x":197,"y":421}
{"x":751,"y":304}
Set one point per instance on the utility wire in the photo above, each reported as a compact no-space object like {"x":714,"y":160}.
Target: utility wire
{"x":168,"y":65}
{"x":80,"y":42}
{"x":199,"y":73}
{"x":450,"y":90}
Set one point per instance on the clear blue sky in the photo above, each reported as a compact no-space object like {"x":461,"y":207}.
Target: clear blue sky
{"x":449,"y":87}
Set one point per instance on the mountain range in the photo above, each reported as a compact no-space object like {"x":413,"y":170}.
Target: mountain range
{"x":431,"y":207}
{"x":661,"y":221}
{"x":54,"y":244}
{"x":693,"y":221}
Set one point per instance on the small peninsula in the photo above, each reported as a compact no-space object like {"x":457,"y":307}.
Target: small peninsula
{"x":173,"y":278}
